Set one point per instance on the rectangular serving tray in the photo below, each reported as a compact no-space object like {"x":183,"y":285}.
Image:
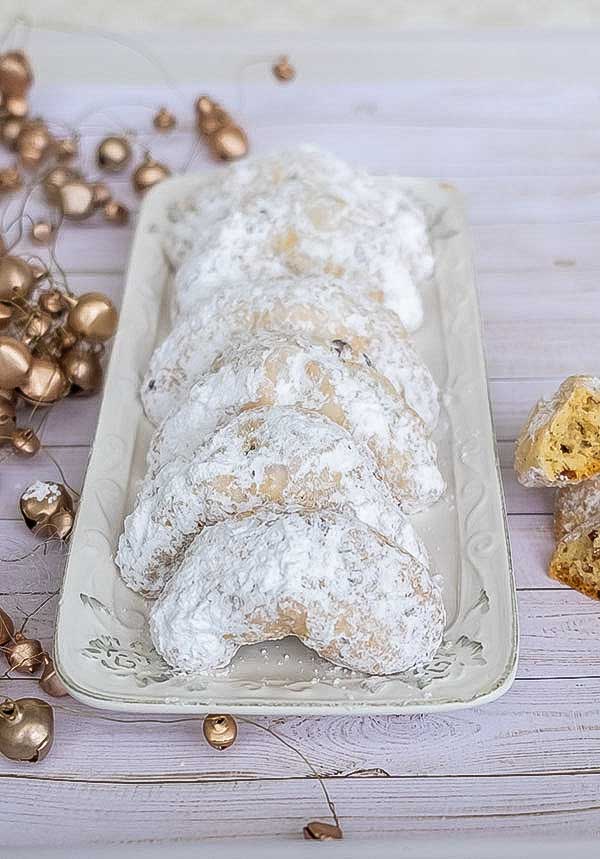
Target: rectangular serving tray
{"x":103,"y":650}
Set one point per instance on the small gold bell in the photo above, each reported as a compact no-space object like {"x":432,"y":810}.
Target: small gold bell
{"x":7,"y":628}
{"x":50,"y":682}
{"x":92,"y":316}
{"x":16,"y":75}
{"x":24,"y":654}
{"x":164,"y":120}
{"x":317,"y":831}
{"x":10,"y":180}
{"x":26,"y":729}
{"x":25,"y":442}
{"x":16,"y":105}
{"x":41,"y":232}
{"x":42,"y":500}
{"x":116,"y":212}
{"x":220,"y":731}
{"x":52,"y":302}
{"x":76,"y":199}
{"x":101,"y":194}
{"x":65,"y":148}
{"x":56,"y":527}
{"x":10,"y":131}
{"x":15,"y":362}
{"x":148,"y":174}
{"x":283,"y":70}
{"x":54,"y":180}
{"x":16,"y":278}
{"x":45,"y":382}
{"x":229,"y":143}
{"x":83,"y":370}
{"x":113,"y":153}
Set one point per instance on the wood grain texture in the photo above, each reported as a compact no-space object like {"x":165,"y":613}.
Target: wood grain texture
{"x":525,"y":155}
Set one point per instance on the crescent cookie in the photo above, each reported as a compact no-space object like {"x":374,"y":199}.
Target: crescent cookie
{"x":576,"y":505}
{"x":271,"y":369}
{"x":282,"y":459}
{"x":326,"y":578}
{"x":306,"y":306}
{"x":302,"y":212}
{"x":560,"y":443}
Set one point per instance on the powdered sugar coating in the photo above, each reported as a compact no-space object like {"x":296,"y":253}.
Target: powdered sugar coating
{"x":300,"y":212}
{"x":308,"y":306}
{"x":42,"y":490}
{"x":325,"y":577}
{"x":576,"y":505}
{"x":270,"y":369}
{"x":280,"y":458}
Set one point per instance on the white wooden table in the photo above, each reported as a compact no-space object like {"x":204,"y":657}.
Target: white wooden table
{"x":515,"y":123}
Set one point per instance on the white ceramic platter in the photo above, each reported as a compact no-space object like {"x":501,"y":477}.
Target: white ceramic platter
{"x":103,"y":650}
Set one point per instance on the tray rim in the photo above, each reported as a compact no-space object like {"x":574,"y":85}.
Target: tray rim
{"x":492,"y":690}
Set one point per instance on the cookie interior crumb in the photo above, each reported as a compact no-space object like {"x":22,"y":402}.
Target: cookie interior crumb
{"x":576,"y":561}
{"x":572,"y":447}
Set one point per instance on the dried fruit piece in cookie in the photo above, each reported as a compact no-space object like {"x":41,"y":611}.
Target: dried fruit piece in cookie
{"x":274,"y":458}
{"x":324,"y":577}
{"x":560,"y":443}
{"x":313,"y":307}
{"x":576,"y":560}
{"x":270,"y":369}
{"x":575,"y":505}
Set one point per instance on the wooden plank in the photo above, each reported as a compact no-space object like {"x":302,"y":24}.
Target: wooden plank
{"x":503,"y":738}
{"x":107,"y":814}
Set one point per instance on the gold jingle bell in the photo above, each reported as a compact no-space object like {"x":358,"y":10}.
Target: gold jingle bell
{"x":101,"y":194}
{"x":7,"y":628}
{"x":16,"y":75}
{"x":24,"y":654}
{"x":116,"y":212}
{"x":92,"y":316}
{"x":38,"y":324}
{"x":317,"y":831}
{"x":6,"y":314}
{"x":220,"y":731}
{"x":208,"y":123}
{"x":16,"y":278}
{"x":25,"y":442}
{"x":113,"y":153}
{"x":52,"y":302}
{"x":15,"y":363}
{"x":33,"y":143}
{"x":41,"y":232}
{"x":229,"y":143}
{"x":76,"y":199}
{"x":164,"y":120}
{"x":45,"y":383}
{"x":148,"y":174}
{"x":83,"y":370}
{"x":42,"y":500}
{"x":26,"y":729}
{"x":54,"y":180}
{"x":50,"y":682}
{"x":284,"y":70}
{"x":10,"y":180}
{"x":10,"y":130}
{"x":204,"y":105}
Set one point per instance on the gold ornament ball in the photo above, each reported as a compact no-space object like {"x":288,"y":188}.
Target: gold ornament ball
{"x":101,"y":194}
{"x":52,"y":302}
{"x":7,"y":628}
{"x":6,"y":315}
{"x":148,"y":174}
{"x":10,"y":130}
{"x":16,"y":278}
{"x":16,"y":75}
{"x":41,"y":232}
{"x":65,"y":148}
{"x":25,"y":442}
{"x":93,"y":316}
{"x":15,"y":363}
{"x":24,"y":654}
{"x":76,"y":199}
{"x":229,"y":143}
{"x":83,"y":370}
{"x":317,"y":831}
{"x":42,"y":500}
{"x":204,"y":105}
{"x":33,"y":143}
{"x":26,"y":729}
{"x":164,"y":120}
{"x":213,"y":121}
{"x":116,"y":213}
{"x":16,"y":105}
{"x":283,"y":70}
{"x":10,"y":180}
{"x":113,"y":153}
{"x":220,"y":731}
{"x":54,"y":180}
{"x":49,"y":681}
{"x":45,"y":383}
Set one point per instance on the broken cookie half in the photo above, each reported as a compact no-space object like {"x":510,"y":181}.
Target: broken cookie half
{"x":560,"y":443}
{"x":576,"y":560}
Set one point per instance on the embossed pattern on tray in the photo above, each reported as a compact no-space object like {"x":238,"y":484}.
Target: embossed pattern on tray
{"x":103,"y":650}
